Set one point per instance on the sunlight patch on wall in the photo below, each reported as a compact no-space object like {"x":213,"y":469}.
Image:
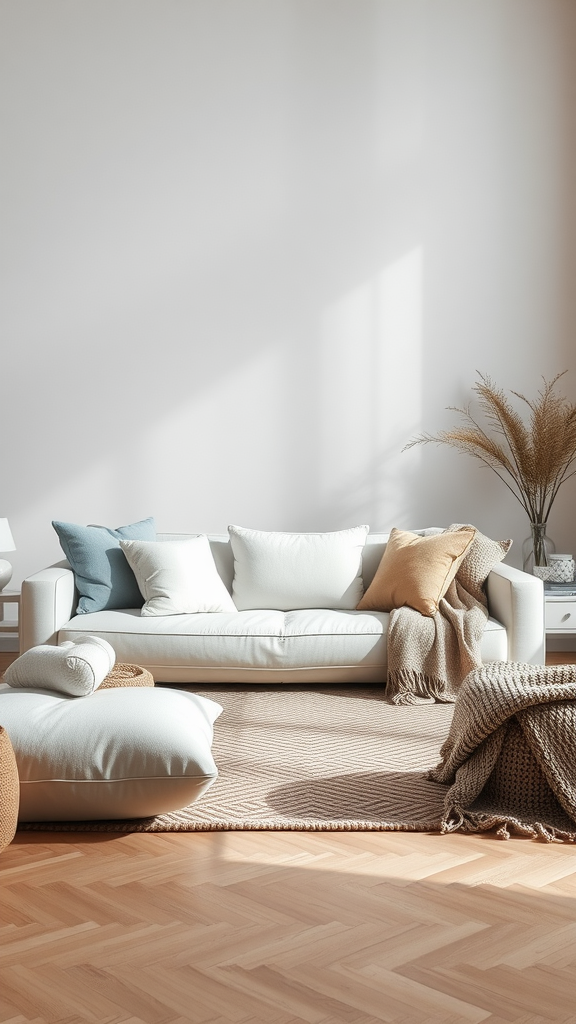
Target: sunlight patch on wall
{"x":372,"y":394}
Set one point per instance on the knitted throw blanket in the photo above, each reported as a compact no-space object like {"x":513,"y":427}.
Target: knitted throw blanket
{"x":429,"y":656}
{"x":510,"y":755}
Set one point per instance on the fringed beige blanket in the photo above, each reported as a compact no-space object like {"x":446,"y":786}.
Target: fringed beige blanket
{"x":429,"y":656}
{"x":510,"y":755}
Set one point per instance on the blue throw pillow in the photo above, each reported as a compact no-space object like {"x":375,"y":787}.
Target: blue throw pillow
{"x":103,"y":577}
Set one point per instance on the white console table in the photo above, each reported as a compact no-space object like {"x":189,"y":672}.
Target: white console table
{"x":9,"y":597}
{"x":560,"y":619}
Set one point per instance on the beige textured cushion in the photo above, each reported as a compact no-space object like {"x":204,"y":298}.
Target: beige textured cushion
{"x":416,"y":571}
{"x":9,"y":790}
{"x":480,"y":558}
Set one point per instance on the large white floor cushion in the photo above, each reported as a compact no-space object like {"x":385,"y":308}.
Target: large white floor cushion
{"x":117,"y":753}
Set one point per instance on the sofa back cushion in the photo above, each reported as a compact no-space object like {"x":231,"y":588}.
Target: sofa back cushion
{"x":222,"y":553}
{"x":287,"y":571}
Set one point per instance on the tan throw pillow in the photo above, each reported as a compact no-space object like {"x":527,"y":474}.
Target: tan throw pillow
{"x":416,"y":571}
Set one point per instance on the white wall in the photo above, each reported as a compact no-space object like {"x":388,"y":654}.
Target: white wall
{"x":252,"y":246}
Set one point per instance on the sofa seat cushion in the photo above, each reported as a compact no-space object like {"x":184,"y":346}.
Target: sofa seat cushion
{"x":261,"y":643}
{"x":254,"y":645}
{"x":117,"y":753}
{"x":257,"y":646}
{"x":494,"y":643}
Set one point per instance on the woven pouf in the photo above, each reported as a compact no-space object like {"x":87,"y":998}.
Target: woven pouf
{"x":128,"y":675}
{"x":9,"y":790}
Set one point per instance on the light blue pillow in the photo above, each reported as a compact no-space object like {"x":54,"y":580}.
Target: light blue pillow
{"x":103,"y":577}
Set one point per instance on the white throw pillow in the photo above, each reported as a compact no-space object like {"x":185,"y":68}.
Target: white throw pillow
{"x":124,"y":752}
{"x":297,"y":570}
{"x":177,"y":577}
{"x":75,"y":668}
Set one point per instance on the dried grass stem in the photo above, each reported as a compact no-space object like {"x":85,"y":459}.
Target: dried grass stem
{"x":533,"y":458}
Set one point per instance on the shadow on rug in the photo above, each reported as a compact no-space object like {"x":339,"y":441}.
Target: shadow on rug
{"x":382,"y":799}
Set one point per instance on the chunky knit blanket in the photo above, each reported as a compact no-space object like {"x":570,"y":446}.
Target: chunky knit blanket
{"x":429,"y":655}
{"x":510,"y":755}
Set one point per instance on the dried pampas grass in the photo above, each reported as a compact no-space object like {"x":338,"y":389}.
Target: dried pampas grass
{"x":533,"y":458}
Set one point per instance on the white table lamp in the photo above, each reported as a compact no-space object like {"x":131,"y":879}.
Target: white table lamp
{"x":6,"y":544}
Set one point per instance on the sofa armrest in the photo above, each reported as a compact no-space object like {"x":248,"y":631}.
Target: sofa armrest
{"x":48,"y":601}
{"x":516,"y":599}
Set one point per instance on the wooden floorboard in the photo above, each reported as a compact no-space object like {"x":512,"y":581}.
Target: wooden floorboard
{"x":284,"y":928}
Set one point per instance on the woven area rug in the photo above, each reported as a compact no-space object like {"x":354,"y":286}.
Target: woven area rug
{"x":313,"y":759}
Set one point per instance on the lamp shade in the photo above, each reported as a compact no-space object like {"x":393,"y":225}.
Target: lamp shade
{"x":6,"y":538}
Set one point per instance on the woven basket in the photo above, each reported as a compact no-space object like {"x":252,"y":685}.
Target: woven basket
{"x":128,"y":675}
{"x":9,"y":790}
{"x":556,"y":572}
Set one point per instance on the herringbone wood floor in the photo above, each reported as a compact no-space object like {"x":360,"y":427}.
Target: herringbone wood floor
{"x":285,"y":928}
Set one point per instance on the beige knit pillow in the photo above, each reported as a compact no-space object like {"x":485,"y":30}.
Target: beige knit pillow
{"x":416,"y":571}
{"x":481,"y":557}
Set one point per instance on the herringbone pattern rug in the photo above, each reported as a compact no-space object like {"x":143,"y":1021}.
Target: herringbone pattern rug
{"x":330,"y":758}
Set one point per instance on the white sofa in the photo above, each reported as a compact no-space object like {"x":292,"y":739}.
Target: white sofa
{"x":317,"y":645}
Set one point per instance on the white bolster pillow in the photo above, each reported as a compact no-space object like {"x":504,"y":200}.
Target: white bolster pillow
{"x":74,"y":668}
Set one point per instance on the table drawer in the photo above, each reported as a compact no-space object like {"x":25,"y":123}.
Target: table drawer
{"x":561,"y":615}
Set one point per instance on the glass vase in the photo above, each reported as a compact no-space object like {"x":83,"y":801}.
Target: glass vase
{"x":537,"y":547}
